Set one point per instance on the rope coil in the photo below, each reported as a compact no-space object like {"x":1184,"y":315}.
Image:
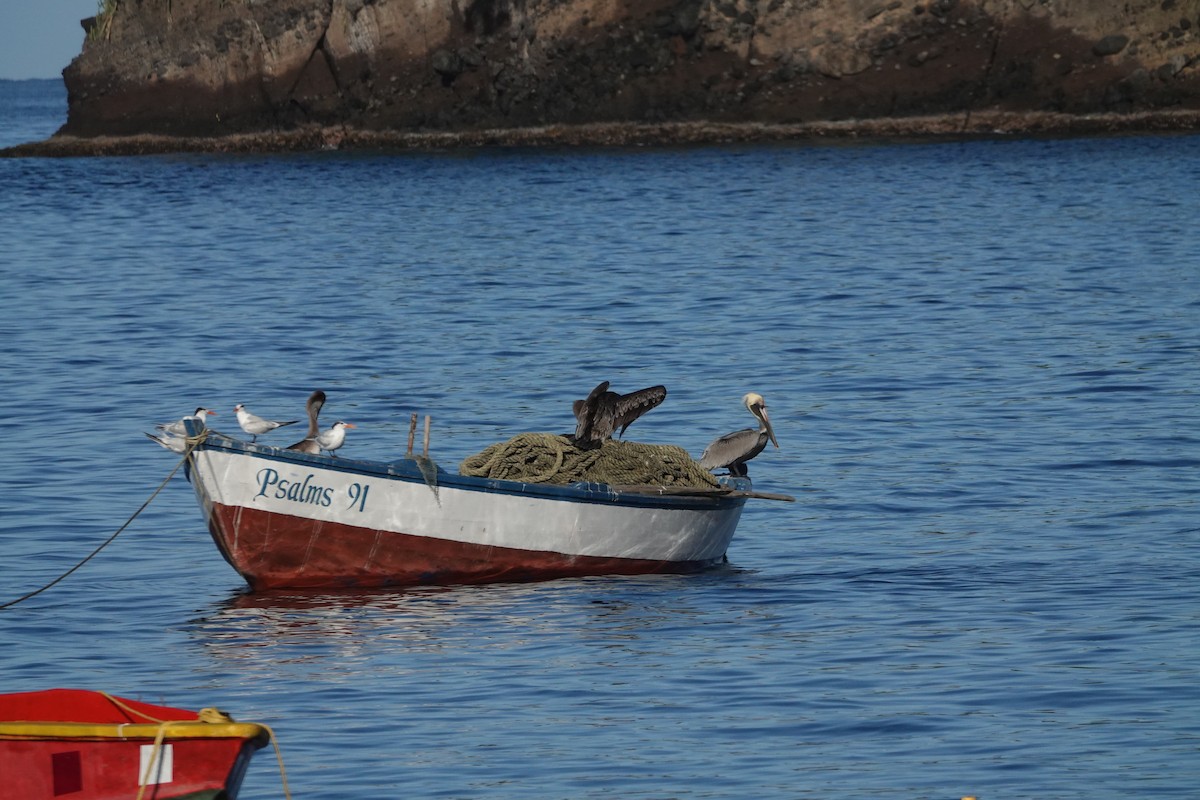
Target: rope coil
{"x":551,"y":458}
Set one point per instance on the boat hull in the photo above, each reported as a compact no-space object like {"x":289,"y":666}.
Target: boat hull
{"x":289,"y":520}
{"x":111,"y":770}
{"x":83,"y":745}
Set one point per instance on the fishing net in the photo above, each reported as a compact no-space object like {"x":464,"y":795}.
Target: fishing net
{"x":550,"y":458}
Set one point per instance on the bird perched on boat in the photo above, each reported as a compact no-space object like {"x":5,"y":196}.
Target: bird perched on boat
{"x":176,"y":428}
{"x":176,"y":444}
{"x":733,"y":450}
{"x":333,"y":438}
{"x":309,"y":443}
{"x":254,"y":424}
{"x":604,"y":412}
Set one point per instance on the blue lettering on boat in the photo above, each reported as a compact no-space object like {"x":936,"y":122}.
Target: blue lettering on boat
{"x":304,"y":491}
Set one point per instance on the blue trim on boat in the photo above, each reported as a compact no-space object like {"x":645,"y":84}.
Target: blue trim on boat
{"x":409,"y":470}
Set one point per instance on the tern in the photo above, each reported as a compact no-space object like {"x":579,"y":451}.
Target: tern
{"x":176,"y":444}
{"x":176,"y":428}
{"x":254,"y":424}
{"x":333,"y":438}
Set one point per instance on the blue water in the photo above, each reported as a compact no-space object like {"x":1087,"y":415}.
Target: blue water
{"x":981,"y":359}
{"x":31,"y":110}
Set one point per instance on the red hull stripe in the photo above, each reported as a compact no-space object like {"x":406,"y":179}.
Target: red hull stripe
{"x":276,"y":551}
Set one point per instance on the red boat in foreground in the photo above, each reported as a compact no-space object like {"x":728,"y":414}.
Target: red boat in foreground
{"x":89,"y":745}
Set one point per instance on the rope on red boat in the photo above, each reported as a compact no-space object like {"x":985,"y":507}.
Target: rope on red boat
{"x":192,"y":442}
{"x":206,"y":716}
{"x":279,"y":757}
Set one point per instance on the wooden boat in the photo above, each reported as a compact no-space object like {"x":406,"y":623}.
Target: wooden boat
{"x":88,"y":745}
{"x":285,"y":519}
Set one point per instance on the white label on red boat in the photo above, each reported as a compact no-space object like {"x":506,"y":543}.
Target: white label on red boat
{"x":154,"y":770}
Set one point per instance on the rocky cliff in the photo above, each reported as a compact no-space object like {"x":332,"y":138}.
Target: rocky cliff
{"x":220,"y":67}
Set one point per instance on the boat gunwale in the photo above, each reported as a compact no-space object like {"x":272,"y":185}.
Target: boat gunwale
{"x":176,"y":730}
{"x":408,"y":470}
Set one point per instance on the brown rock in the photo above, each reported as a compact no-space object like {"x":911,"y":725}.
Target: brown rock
{"x":1110,"y":45}
{"x":197,"y":68}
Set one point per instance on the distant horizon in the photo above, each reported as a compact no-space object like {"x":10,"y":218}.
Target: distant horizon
{"x":39,"y":40}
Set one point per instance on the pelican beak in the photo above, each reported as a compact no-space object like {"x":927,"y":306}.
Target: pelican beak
{"x":767,"y":422}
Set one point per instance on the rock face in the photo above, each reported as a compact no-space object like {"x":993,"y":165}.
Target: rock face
{"x":216,"y":67}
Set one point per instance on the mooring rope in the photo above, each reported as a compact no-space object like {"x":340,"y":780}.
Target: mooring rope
{"x":551,"y":458}
{"x":192,"y":442}
{"x":206,"y":716}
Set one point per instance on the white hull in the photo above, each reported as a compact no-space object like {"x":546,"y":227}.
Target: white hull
{"x":288,"y":519}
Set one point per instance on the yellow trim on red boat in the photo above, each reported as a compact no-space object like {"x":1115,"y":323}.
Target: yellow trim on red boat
{"x":177,"y":729}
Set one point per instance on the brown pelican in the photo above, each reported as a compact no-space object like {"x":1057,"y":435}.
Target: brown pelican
{"x":254,"y":424}
{"x":733,"y":450}
{"x":309,"y":443}
{"x":604,"y":412}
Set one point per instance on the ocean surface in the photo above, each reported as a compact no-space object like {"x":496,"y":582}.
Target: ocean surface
{"x":982,"y":361}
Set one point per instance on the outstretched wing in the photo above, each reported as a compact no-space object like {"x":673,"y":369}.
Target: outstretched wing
{"x":315,"y":401}
{"x":306,"y":445}
{"x":628,"y":407}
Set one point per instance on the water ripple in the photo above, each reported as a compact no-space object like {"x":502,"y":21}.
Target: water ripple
{"x":987,"y":586}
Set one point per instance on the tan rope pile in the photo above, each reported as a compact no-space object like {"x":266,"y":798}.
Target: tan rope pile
{"x":550,"y":458}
